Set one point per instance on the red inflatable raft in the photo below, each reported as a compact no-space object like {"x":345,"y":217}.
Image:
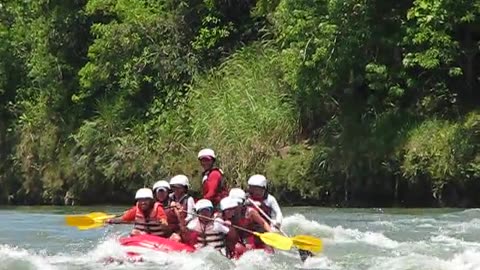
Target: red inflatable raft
{"x":155,"y":243}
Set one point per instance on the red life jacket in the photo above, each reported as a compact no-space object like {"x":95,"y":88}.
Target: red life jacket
{"x":243,"y":222}
{"x":221,"y":190}
{"x":172,"y":220}
{"x":267,"y":209}
{"x":150,"y":224}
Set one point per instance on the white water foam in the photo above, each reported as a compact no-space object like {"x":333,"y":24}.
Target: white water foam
{"x":467,"y":260}
{"x":16,"y":258}
{"x":338,"y":234}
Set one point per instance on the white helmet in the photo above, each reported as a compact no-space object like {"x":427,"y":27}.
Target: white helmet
{"x":257,"y":180}
{"x":162,"y":184}
{"x":180,"y":179}
{"x":144,"y":193}
{"x":228,"y":203}
{"x":207,"y":152}
{"x":238,"y":194}
{"x":202,"y":204}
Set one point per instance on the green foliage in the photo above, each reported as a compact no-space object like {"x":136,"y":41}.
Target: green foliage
{"x":291,"y":174}
{"x":347,"y":102}
{"x":442,"y":151}
{"x":240,"y":111}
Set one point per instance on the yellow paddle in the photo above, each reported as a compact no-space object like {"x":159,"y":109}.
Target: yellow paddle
{"x":78,"y":221}
{"x":307,"y":242}
{"x":302,"y":242}
{"x":275,"y":240}
{"x":89,"y":221}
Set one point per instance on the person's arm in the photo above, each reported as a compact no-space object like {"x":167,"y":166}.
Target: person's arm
{"x":231,"y":239}
{"x":210,"y":186}
{"x":187,"y":233}
{"x":128,"y":216}
{"x":161,"y":216}
{"x":190,"y":207}
{"x":255,"y":217}
{"x":277,"y":216}
{"x":219,"y":226}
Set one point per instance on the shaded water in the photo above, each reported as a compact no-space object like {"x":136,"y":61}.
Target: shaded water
{"x":36,"y":238}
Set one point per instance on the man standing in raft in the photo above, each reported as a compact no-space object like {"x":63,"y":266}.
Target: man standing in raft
{"x":213,"y":183}
{"x":147,"y":215}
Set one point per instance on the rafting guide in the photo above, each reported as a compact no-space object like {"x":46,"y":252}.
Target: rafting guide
{"x":213,"y":182}
{"x":166,"y":217}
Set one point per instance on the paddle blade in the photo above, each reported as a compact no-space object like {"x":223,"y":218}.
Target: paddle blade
{"x":89,"y":221}
{"x":78,"y":221}
{"x":96,"y":214}
{"x":101,"y":218}
{"x":89,"y":227}
{"x":276,"y":240}
{"x":307,"y":242}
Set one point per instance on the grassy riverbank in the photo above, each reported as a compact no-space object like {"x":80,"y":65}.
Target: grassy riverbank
{"x":338,"y":102}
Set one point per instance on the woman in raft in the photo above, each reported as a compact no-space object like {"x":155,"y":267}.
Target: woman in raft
{"x":207,"y":231}
{"x":235,"y":212}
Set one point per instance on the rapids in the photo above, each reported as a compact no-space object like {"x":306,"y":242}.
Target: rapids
{"x":373,"y":239}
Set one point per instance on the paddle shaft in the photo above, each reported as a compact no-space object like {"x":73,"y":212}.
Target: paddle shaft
{"x":224,"y":223}
{"x":265,"y":216}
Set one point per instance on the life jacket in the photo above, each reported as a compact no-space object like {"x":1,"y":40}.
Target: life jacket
{"x":207,"y":236}
{"x":253,"y":239}
{"x":266,"y":208}
{"x":172,"y":219}
{"x":243,"y":222}
{"x":165,"y":203}
{"x":183,"y":200}
{"x":221,"y":189}
{"x":150,"y":224}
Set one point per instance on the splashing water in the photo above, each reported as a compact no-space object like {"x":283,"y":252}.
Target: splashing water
{"x":373,"y":239}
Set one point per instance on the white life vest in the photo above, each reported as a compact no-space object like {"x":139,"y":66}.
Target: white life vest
{"x":211,"y":234}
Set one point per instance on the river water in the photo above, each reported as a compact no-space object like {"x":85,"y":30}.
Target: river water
{"x":374,"y":239}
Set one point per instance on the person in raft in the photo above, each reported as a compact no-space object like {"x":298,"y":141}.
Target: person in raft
{"x":244,"y":216}
{"x":213,"y":182}
{"x":232,"y":214}
{"x":180,"y":197}
{"x":265,"y":203}
{"x":207,"y":231}
{"x":147,"y":215}
{"x":161,"y":191}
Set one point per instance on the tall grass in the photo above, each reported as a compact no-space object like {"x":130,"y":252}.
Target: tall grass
{"x":242,"y":111}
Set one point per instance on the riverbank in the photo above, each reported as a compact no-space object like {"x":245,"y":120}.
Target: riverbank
{"x":339,"y":103}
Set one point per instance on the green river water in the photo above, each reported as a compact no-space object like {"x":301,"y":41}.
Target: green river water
{"x":416,"y":239}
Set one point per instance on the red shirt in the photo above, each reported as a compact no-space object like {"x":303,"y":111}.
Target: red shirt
{"x":130,"y":214}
